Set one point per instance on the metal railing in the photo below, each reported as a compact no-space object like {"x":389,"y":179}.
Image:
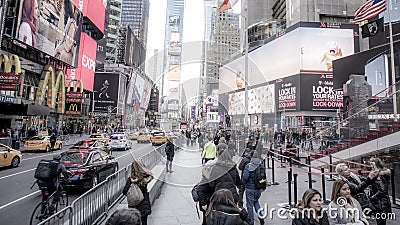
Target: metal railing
{"x":93,"y":205}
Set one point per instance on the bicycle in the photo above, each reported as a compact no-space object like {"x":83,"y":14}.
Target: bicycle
{"x":42,"y":212}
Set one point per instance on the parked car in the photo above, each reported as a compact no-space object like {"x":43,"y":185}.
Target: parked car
{"x":143,"y":137}
{"x":119,"y":141}
{"x":158,"y":138}
{"x":92,"y":145}
{"x":41,"y":143}
{"x":88,"y":167}
{"x":9,"y":156}
{"x":99,"y":136}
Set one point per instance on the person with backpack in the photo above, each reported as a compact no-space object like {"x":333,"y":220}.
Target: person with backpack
{"x":53,"y":140}
{"x":209,"y":151}
{"x":246,"y":157}
{"x":170,"y":152}
{"x":48,"y":174}
{"x":140,"y":176}
{"x":254,"y":179}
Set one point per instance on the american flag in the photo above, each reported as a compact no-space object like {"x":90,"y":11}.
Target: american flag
{"x":369,"y":9}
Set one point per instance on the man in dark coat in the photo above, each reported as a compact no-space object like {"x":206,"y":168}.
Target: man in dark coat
{"x":170,"y":152}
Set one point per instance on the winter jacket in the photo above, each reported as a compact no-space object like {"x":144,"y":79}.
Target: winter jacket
{"x":243,"y":163}
{"x":304,"y":220}
{"x":341,"y":216}
{"x":227,"y":215}
{"x":357,"y":187}
{"x":144,"y":206}
{"x":248,"y":177}
{"x":379,"y":192}
{"x":221,"y":147}
{"x":204,"y":192}
{"x":169,"y":149}
{"x":223,"y":175}
{"x":210,"y":151}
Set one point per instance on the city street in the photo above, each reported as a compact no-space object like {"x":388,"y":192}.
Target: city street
{"x":17,"y":200}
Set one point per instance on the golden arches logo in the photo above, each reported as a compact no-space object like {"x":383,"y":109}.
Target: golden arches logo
{"x":74,"y":84}
{"x":54,"y":86}
{"x":8,"y":62}
{"x":73,"y":107}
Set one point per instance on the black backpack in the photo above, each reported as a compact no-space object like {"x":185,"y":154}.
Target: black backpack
{"x":46,"y":170}
{"x":260,"y":178}
{"x":195,"y":195}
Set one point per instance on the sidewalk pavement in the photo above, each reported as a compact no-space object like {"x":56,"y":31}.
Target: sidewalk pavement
{"x":175,"y":205}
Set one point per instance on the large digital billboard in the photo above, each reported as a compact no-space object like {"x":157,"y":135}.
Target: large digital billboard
{"x":236,"y":103}
{"x":106,"y":92}
{"x":144,"y":102}
{"x":135,"y":52}
{"x":53,"y":27}
{"x":287,"y":94}
{"x":138,"y":92}
{"x":86,"y":63}
{"x":174,"y":72}
{"x":262,"y":99}
{"x":301,"y":50}
{"x":96,"y":13}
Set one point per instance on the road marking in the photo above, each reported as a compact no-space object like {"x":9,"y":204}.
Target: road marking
{"x":17,"y":200}
{"x":40,"y":156}
{"x":130,"y":151}
{"x":17,"y":173}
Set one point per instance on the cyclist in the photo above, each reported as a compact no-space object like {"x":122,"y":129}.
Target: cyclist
{"x":54,"y":185}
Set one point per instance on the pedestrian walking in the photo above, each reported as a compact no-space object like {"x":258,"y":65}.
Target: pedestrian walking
{"x":309,"y":210}
{"x":170,"y":152}
{"x":246,"y":158}
{"x":253,"y":192}
{"x":209,"y":151}
{"x":222,"y":146}
{"x":141,"y":176}
{"x":53,"y":140}
{"x":343,"y":208}
{"x":223,"y":210}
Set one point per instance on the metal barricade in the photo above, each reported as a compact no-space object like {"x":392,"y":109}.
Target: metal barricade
{"x":93,"y":205}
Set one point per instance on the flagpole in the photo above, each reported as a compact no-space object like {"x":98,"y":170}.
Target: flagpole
{"x":392,"y":63}
{"x":246,"y":68}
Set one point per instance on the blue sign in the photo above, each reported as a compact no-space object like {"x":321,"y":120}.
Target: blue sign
{"x":194,"y":112}
{"x":6,"y":99}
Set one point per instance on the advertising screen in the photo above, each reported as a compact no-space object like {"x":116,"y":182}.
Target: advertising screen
{"x":134,"y":50}
{"x":53,"y":27}
{"x":302,"y":50}
{"x":173,"y":86}
{"x":174,"y":72}
{"x":106,"y":92}
{"x":138,"y":92}
{"x":377,"y":72}
{"x":145,"y":96}
{"x":174,"y":21}
{"x":317,"y":93}
{"x":262,"y":99}
{"x":86,"y":63}
{"x":287,"y":93}
{"x":96,"y":13}
{"x":236,"y":103}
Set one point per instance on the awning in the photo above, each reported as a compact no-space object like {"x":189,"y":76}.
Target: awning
{"x":24,"y":110}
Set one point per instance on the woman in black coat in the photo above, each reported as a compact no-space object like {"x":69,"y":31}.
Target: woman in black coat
{"x":141,"y":176}
{"x":309,"y":210}
{"x":380,"y":191}
{"x":223,"y":210}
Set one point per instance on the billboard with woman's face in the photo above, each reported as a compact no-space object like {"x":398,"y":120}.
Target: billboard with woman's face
{"x":51,"y":26}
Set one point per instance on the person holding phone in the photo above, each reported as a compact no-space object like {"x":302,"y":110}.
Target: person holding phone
{"x":379,"y":195}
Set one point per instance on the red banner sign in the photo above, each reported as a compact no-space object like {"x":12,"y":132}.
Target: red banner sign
{"x":9,"y":78}
{"x":9,"y":87}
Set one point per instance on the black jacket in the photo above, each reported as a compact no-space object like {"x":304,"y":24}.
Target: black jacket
{"x":356,"y":187}
{"x":144,"y":206}
{"x":380,"y":192}
{"x":304,"y":220}
{"x":169,"y":149}
{"x":243,"y":163}
{"x":227,"y":215}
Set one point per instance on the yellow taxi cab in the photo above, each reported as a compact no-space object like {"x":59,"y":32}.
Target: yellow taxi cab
{"x":158,"y":138}
{"x":143,"y":137}
{"x":133,"y":135}
{"x":41,"y":143}
{"x":99,"y":136}
{"x":9,"y":156}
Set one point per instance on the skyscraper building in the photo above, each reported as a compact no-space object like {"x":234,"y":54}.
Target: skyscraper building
{"x":135,"y":13}
{"x":172,"y":57}
{"x":113,"y":20}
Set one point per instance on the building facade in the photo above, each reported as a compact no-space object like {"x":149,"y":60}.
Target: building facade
{"x":135,"y":13}
{"x":113,"y":20}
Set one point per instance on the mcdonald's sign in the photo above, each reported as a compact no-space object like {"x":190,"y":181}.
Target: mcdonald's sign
{"x":52,"y":87}
{"x":74,"y":95}
{"x":73,"y":108}
{"x":9,"y":80}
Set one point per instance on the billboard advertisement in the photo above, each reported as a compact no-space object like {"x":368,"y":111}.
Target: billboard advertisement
{"x":86,"y":63}
{"x":287,"y":93}
{"x":135,"y":52}
{"x":174,"y":72}
{"x":106,"y":92}
{"x":317,"y":93}
{"x":95,"y":14}
{"x":173,"y":86}
{"x":51,"y":27}
{"x":377,"y":73}
{"x":262,"y":99}
{"x":144,"y":102}
{"x":236,"y":103}
{"x":174,"y":21}
{"x":174,"y":48}
{"x":174,"y":60}
{"x":301,"y":50}
{"x":138,"y":92}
